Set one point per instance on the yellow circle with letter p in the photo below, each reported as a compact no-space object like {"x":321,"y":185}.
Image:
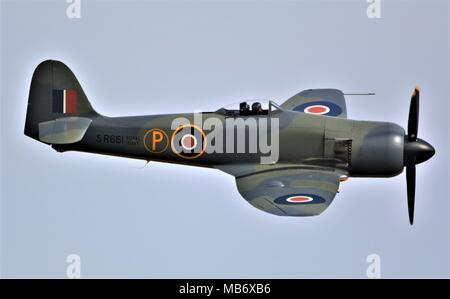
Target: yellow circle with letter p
{"x":156,"y":140}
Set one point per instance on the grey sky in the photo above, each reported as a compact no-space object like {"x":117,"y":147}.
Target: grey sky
{"x":162,"y":220}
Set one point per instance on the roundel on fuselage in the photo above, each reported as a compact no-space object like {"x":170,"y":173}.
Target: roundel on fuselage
{"x":188,"y":141}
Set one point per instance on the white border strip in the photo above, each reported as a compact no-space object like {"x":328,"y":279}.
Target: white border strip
{"x":64,"y":101}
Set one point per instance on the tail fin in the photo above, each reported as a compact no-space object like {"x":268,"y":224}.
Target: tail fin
{"x":58,"y":110}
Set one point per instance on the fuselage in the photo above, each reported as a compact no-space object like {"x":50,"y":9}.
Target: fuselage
{"x":358,"y":148}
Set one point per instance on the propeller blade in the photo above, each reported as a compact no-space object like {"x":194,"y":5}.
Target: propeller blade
{"x":411,"y":187}
{"x":413,"y":119}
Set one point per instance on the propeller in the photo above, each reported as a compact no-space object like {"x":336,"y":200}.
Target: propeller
{"x":415,"y":151}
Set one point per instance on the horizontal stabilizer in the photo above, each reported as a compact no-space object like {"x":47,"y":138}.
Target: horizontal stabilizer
{"x":63,"y":130}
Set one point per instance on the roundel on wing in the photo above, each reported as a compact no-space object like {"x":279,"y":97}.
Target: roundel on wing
{"x":188,"y":141}
{"x":299,"y":199}
{"x":319,"y":108}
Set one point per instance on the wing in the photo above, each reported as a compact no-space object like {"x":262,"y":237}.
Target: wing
{"x":329,"y":102}
{"x":290,"y":192}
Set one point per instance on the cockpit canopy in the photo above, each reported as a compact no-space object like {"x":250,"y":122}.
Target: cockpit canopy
{"x":249,"y":108}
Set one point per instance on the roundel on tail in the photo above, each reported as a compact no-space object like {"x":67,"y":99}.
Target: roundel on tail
{"x":319,"y":108}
